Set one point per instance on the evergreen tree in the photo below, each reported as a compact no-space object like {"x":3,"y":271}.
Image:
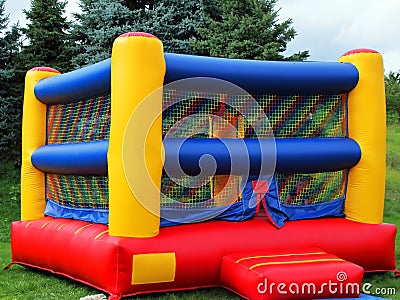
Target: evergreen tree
{"x":5,"y":71}
{"x":47,"y":35}
{"x":175,"y":22}
{"x":11,"y":85}
{"x":139,"y":4}
{"x":98,"y":24}
{"x":247,"y":29}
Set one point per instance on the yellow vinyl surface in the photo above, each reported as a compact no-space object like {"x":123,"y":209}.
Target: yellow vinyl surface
{"x":33,"y":136}
{"x":367,"y":125}
{"x":135,"y":151}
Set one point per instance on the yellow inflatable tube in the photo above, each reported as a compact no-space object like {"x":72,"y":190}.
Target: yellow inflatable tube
{"x":137,"y":71}
{"x":33,"y":136}
{"x":367,"y":125}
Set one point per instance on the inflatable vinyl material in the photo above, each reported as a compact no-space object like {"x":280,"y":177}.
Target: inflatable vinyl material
{"x":81,"y":250}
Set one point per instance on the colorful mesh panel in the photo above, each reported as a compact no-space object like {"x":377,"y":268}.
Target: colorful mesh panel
{"x":305,"y":189}
{"x":194,"y":115}
{"x":78,"y":191}
{"x":289,"y":116}
{"x":304,"y":116}
{"x":82,"y":121}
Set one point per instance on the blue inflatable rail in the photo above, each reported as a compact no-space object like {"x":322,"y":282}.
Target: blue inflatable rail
{"x":266,"y":77}
{"x":85,"y":83}
{"x":229,"y":156}
{"x":255,"y":77}
{"x":89,"y":158}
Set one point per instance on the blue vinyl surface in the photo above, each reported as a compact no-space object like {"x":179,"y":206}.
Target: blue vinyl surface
{"x":228,"y":156}
{"x":85,"y":83}
{"x":266,"y":77}
{"x":57,"y":210}
{"x":362,"y":296}
{"x":89,"y":158}
{"x":232,"y":156}
{"x":255,"y":77}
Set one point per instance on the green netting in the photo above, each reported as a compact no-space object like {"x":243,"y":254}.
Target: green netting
{"x":82,"y":121}
{"x":78,"y":191}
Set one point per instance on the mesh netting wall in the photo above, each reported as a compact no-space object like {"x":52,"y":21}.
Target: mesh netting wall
{"x":82,"y":121}
{"x":78,"y":191}
{"x":289,"y":116}
{"x":305,"y":189}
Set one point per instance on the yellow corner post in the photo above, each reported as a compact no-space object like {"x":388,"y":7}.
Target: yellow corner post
{"x":367,"y":125}
{"x":33,"y":136}
{"x":137,"y":70}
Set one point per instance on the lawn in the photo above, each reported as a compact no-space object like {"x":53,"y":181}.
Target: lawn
{"x":20,"y":283}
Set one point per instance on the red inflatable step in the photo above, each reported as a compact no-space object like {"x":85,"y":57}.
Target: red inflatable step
{"x":300,"y":274}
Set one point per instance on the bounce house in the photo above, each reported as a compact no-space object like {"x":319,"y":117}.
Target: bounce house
{"x":154,"y":172}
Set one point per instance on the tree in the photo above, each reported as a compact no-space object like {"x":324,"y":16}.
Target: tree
{"x":11,"y":80}
{"x":247,"y":29}
{"x":99,"y":23}
{"x":139,"y":4}
{"x":392,"y":88}
{"x":175,"y":22}
{"x":47,"y":35}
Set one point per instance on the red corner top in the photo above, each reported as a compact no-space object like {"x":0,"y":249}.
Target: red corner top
{"x":361,"y":50}
{"x":143,"y":34}
{"x":45,"y":69}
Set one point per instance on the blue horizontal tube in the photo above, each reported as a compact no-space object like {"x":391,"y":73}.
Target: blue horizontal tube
{"x":313,"y":155}
{"x":266,"y":77}
{"x":254,"y":76}
{"x":232,"y":156}
{"x":88,"y":158}
{"x":85,"y":83}
{"x":293,"y":155}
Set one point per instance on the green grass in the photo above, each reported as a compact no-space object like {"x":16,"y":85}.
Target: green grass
{"x":21,"y":283}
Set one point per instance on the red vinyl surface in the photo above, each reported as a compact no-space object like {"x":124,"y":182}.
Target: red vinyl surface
{"x":86,"y":253}
{"x":299,"y":274}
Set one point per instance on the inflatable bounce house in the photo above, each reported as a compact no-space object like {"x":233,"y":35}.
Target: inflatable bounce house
{"x":154,"y":172}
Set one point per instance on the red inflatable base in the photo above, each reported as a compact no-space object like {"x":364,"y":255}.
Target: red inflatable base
{"x":86,"y":253}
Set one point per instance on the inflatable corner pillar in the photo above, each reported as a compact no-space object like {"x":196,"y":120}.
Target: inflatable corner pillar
{"x":135,"y":149}
{"x":367,"y":125}
{"x":33,"y":136}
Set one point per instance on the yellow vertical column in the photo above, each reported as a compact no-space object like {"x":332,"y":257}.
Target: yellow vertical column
{"x":33,"y":136}
{"x":137,"y":70}
{"x":367,"y":125}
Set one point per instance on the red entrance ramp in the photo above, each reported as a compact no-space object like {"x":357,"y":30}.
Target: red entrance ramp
{"x":296,"y":274}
